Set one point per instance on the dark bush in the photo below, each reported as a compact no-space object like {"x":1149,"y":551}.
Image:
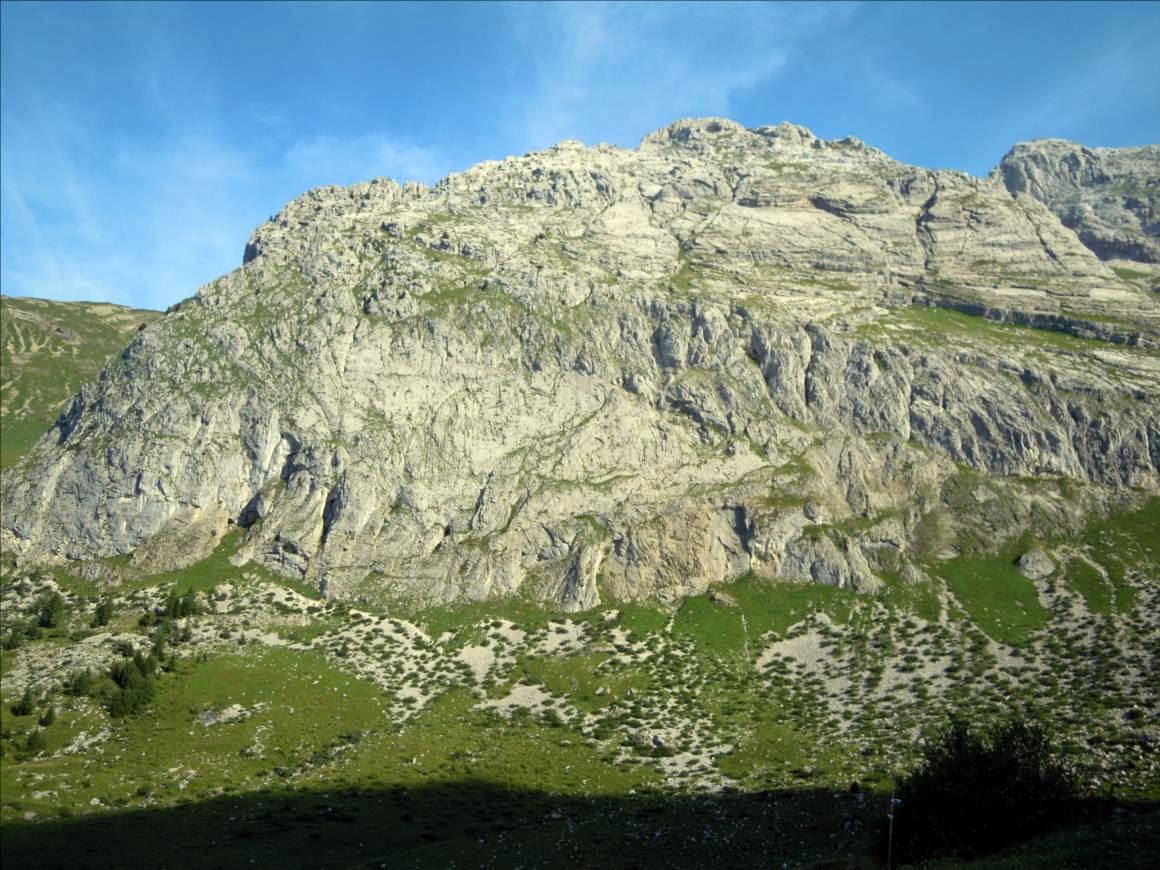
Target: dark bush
{"x":977,"y":791}
{"x":19,"y":633}
{"x":135,"y":685}
{"x":124,"y":648}
{"x":164,"y":635}
{"x":50,"y":610}
{"x":103,"y":613}
{"x":25,"y":705}
{"x":34,"y":743}
{"x":179,"y":606}
{"x":80,"y":683}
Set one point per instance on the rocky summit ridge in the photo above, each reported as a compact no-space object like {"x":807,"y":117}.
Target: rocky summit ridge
{"x":592,"y":374}
{"x":1109,"y":196}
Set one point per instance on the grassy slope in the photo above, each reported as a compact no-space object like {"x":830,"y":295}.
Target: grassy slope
{"x":319,"y":771}
{"x":319,"y":767}
{"x":47,"y":351}
{"x":1001,"y":601}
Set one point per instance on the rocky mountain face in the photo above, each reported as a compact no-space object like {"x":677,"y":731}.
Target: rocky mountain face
{"x":591,"y":374}
{"x":1109,"y":196}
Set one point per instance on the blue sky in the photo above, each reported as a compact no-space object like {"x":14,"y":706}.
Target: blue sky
{"x":142,"y":143}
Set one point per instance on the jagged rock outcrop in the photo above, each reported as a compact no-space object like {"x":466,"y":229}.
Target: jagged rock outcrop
{"x":594,"y":373}
{"x":1109,"y":196}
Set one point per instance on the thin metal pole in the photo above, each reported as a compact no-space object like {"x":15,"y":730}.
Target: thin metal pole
{"x":890,"y":834}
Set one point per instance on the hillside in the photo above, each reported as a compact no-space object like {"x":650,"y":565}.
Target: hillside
{"x":593,"y":375}
{"x":764,"y":721}
{"x":594,"y":507}
{"x":47,"y":351}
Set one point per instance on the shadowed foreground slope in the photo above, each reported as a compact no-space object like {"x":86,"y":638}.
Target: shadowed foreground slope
{"x":470,"y":824}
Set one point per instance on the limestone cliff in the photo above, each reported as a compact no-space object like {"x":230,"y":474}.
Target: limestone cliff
{"x":594,"y":373}
{"x":1109,"y":196}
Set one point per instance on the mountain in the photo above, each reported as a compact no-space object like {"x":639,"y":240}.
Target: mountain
{"x":47,"y":351}
{"x":595,"y":374}
{"x":598,"y":374}
{"x":1109,"y":196}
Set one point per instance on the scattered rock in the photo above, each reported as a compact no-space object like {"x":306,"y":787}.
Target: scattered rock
{"x":1035,"y":564}
{"x":232,"y":713}
{"x":722,"y":598}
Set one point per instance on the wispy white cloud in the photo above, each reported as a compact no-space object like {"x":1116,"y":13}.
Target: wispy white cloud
{"x":146,"y":223}
{"x":628,"y":68}
{"x":89,"y":217}
{"x":1087,"y":93}
{"x":891,"y":90}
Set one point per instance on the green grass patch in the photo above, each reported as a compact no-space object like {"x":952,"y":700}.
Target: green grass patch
{"x":1126,"y":545}
{"x":713,"y":627}
{"x":931,"y":323}
{"x":773,"y":606}
{"x":920,"y":598}
{"x":298,"y":703}
{"x":443,"y":744}
{"x":1090,"y":584}
{"x":773,"y":752}
{"x":460,"y":619}
{"x":1000,"y":600}
{"x":18,"y":434}
{"x":579,"y":677}
{"x":1131,"y":274}
{"x":768,"y":606}
{"x":641,"y":620}
{"x":48,"y":350}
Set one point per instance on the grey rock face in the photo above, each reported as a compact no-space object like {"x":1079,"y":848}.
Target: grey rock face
{"x":1035,"y":564}
{"x":1109,"y":196}
{"x":596,"y":373}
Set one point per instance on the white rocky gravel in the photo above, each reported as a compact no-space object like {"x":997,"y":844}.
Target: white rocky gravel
{"x":824,"y":661}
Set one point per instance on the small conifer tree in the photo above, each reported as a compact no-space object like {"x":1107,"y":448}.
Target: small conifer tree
{"x":103,"y":613}
{"x":34,"y":743}
{"x":80,"y":683}
{"x":50,"y":610}
{"x":25,"y":705}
